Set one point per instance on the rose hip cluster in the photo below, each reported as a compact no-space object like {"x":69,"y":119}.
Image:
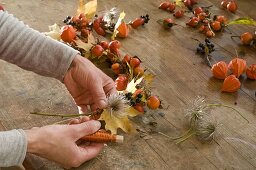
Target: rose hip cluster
{"x":236,"y":67}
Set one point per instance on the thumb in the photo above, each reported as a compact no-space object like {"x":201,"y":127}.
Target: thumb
{"x":87,"y":128}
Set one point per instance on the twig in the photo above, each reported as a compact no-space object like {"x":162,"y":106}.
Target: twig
{"x":187,"y":137}
{"x":61,"y":115}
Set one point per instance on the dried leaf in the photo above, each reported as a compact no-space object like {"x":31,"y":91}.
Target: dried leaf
{"x":54,"y":32}
{"x":149,"y":78}
{"x":86,"y":46}
{"x":113,"y":123}
{"x":133,"y":112}
{"x":131,"y":87}
{"x":118,"y":23}
{"x":89,"y":9}
{"x":179,"y":3}
{"x":243,"y":21}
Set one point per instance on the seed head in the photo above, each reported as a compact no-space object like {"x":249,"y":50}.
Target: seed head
{"x":117,"y":105}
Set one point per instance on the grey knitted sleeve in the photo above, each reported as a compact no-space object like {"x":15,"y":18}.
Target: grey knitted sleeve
{"x":32,"y":50}
{"x":13,"y":147}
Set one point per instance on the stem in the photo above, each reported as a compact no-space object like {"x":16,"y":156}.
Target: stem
{"x":187,"y":137}
{"x":222,"y":105}
{"x":60,"y":115}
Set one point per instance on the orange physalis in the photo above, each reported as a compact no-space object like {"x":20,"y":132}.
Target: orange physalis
{"x":237,"y":66}
{"x":68,"y":33}
{"x":220,"y":70}
{"x":123,"y":30}
{"x":251,"y":72}
{"x":231,"y":84}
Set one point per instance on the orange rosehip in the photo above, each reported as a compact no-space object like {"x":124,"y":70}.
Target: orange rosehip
{"x":123,"y":30}
{"x":231,"y":84}
{"x":134,"y":62}
{"x":220,"y":70}
{"x":251,"y":72}
{"x":97,"y":50}
{"x":138,"y":71}
{"x":121,"y":82}
{"x":153,"y":102}
{"x":246,"y":38}
{"x":68,"y":33}
{"x":232,"y":6}
{"x":216,"y":26}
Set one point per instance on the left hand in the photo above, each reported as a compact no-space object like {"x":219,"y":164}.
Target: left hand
{"x":87,"y":84}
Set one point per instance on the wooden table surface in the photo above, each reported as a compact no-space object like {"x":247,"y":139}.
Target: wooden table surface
{"x":181,"y":77}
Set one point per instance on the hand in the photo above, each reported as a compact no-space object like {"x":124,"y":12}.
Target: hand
{"x":58,"y":143}
{"x":87,"y":84}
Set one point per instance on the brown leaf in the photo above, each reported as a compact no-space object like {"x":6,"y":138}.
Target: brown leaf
{"x":89,"y":9}
{"x":86,"y":46}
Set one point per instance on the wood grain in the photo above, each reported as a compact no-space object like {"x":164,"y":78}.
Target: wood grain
{"x":181,"y":77}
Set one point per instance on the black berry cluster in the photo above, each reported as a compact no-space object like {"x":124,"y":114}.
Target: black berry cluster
{"x":133,"y":100}
{"x":205,"y":48}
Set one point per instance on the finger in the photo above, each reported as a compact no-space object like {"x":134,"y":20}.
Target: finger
{"x":74,"y":121}
{"x":84,"y":119}
{"x":91,"y":151}
{"x":86,"y":128}
{"x":98,"y":94}
{"x":109,"y":88}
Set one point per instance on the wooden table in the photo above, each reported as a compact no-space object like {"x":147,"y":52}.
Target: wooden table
{"x":181,"y":77}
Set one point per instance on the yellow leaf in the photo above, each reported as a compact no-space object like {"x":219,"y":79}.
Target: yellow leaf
{"x":131,"y":87}
{"x":113,"y":123}
{"x":179,"y":3}
{"x":133,"y":112}
{"x":149,"y":78}
{"x":54,"y":32}
{"x":119,"y":21}
{"x":86,"y":46}
{"x":89,"y":9}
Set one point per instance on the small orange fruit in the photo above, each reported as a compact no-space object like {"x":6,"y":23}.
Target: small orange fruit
{"x":231,"y":84}
{"x":220,"y":70}
{"x":153,"y":102}
{"x":68,"y":33}
{"x":251,"y":72}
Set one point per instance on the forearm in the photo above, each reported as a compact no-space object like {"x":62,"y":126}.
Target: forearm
{"x":13,"y":146}
{"x":32,"y":50}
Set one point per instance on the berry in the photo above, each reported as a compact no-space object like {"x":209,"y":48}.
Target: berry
{"x":139,"y":107}
{"x":104,"y":44}
{"x":138,"y":71}
{"x":168,"y":23}
{"x":97,"y":50}
{"x":114,"y":46}
{"x":178,"y":14}
{"x":164,"y":5}
{"x":198,"y":10}
{"x":121,"y":82}
{"x":193,"y":22}
{"x":137,"y":22}
{"x":216,"y":26}
{"x":209,"y":34}
{"x":126,"y":59}
{"x":188,"y":4}
{"x":172,"y":7}
{"x":68,"y":33}
{"x":153,"y":102}
{"x":232,"y":6}
{"x":246,"y":38}
{"x":134,"y":62}
{"x":224,"y":3}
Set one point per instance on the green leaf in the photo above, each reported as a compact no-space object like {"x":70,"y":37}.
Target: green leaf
{"x":243,"y":21}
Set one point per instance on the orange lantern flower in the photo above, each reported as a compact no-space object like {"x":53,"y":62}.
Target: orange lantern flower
{"x":237,"y":66}
{"x":251,"y":72}
{"x":231,"y":84}
{"x":220,"y":70}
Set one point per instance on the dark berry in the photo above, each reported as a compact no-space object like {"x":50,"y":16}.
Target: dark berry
{"x":201,"y":45}
{"x":68,"y":17}
{"x":138,"y":100}
{"x":132,"y":103}
{"x":207,"y":40}
{"x":139,"y":95}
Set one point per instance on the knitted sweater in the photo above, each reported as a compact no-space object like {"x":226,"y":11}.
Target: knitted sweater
{"x":32,"y":51}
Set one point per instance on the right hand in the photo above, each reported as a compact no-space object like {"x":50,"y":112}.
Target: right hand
{"x":58,"y":143}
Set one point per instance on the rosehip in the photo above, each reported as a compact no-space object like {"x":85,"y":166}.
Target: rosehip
{"x":137,"y":22}
{"x":126,"y":59}
{"x":178,"y":14}
{"x":232,"y":6}
{"x":209,"y":34}
{"x":134,"y":62}
{"x":216,"y":26}
{"x":114,"y":46}
{"x":116,"y":67}
{"x":153,"y":102}
{"x":104,"y":44}
{"x":97,"y":50}
{"x":224,"y":3}
{"x":121,"y":82}
{"x":139,"y":107}
{"x":198,"y":10}
{"x":168,"y":23}
{"x":193,"y":22}
{"x":188,"y":3}
{"x":138,"y":71}
{"x":246,"y":38}
{"x":172,"y":7}
{"x":164,"y":5}
{"x":68,"y":33}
